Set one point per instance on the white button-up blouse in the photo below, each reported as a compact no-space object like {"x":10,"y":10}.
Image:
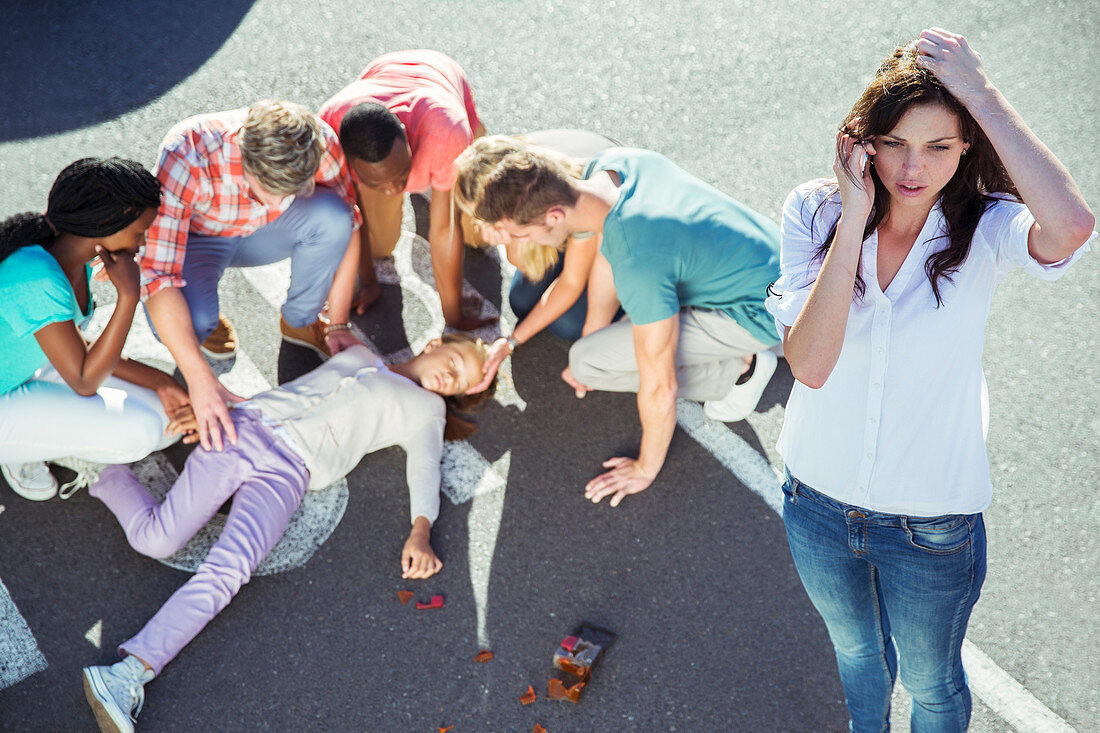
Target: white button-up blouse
{"x":898,"y":425}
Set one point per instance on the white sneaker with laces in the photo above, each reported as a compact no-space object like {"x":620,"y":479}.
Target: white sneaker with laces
{"x":745,"y":393}
{"x":117,"y":693}
{"x":30,"y":480}
{"x":86,"y":474}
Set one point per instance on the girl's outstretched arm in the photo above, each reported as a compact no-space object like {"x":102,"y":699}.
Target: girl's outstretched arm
{"x":418,"y":560}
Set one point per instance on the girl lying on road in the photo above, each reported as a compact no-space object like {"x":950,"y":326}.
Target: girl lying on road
{"x":306,"y":433}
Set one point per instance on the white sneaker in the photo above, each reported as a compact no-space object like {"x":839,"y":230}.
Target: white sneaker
{"x":86,"y":474}
{"x":745,"y":393}
{"x":30,"y":480}
{"x":117,"y":693}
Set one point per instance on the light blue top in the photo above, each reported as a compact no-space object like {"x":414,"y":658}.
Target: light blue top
{"x":674,"y":242}
{"x":34,"y":292}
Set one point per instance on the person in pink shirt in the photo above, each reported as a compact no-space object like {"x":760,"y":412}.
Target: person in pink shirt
{"x":401,"y":124}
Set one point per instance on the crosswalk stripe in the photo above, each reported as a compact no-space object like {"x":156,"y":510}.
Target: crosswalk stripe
{"x":20,"y":656}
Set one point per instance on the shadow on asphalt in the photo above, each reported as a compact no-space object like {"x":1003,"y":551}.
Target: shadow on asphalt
{"x":116,"y":58}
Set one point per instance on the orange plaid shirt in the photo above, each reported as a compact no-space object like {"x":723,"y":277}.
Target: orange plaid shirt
{"x":205,"y":192}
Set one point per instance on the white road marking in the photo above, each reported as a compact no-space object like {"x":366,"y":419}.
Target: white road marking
{"x":741,"y":459}
{"x":94,"y":635}
{"x":482,"y":527}
{"x":1007,"y":697}
{"x":20,"y":656}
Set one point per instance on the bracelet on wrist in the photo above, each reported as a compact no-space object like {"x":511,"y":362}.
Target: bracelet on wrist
{"x":331,"y":327}
{"x":513,"y":342}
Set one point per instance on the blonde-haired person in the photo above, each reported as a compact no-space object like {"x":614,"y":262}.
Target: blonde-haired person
{"x":244,"y":188}
{"x":566,"y":288}
{"x":691,"y":268}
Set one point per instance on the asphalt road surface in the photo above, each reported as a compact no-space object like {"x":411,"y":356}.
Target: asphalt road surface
{"x":714,"y":630}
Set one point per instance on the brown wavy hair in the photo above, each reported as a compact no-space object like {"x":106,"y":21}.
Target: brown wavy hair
{"x":462,"y":408}
{"x":901,"y":83}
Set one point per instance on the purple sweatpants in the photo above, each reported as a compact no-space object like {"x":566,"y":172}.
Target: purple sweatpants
{"x":268,"y":480}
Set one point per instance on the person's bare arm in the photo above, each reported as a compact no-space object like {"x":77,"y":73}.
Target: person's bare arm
{"x":1063,"y":221}
{"x":84,"y":368}
{"x":603,"y":299}
{"x":418,"y":559}
{"x":558,"y":298}
{"x":655,"y":349}
{"x":172,"y":319}
{"x":445,"y":237}
{"x":340,"y":296}
{"x":812,"y":345}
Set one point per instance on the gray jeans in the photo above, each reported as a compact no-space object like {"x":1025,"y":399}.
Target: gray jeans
{"x":708,"y":355}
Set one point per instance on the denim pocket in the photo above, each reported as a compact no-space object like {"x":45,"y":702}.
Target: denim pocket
{"x":944,"y":535}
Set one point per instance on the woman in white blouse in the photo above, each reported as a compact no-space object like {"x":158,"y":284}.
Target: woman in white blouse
{"x":887,"y":277}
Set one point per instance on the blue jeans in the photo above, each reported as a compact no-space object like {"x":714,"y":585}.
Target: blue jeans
{"x":884,"y":579}
{"x":524,"y":295}
{"x":313,"y":232}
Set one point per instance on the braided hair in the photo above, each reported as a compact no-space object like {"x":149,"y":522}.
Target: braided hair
{"x":93,"y":197}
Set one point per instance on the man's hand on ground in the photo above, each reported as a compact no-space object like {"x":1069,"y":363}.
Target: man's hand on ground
{"x":625,"y":477}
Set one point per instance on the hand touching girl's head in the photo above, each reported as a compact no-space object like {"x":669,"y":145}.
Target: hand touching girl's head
{"x":449,"y":366}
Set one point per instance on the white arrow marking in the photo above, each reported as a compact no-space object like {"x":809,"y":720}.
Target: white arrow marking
{"x":94,"y":636}
{"x":483,"y":526}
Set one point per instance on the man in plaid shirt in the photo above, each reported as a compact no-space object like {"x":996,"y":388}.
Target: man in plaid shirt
{"x":244,"y":188}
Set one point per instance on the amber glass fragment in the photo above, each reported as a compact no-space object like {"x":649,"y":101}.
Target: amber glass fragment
{"x":404,"y":596}
{"x":483,"y":656}
{"x":444,"y":730}
{"x":538,"y":729}
{"x":558,"y":691}
{"x":528,"y":697}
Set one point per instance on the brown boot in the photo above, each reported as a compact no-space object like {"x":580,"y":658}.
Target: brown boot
{"x":311,"y":336}
{"x":222,"y":344}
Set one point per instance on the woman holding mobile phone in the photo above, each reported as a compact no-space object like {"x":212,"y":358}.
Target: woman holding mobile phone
{"x":888,"y":272}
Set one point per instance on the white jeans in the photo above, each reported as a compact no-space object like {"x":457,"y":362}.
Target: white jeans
{"x":43,"y":419}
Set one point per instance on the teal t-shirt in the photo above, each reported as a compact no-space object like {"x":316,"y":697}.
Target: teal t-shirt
{"x":34,"y":292}
{"x":673,"y":242}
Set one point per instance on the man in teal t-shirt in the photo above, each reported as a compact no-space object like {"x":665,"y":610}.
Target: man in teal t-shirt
{"x":691,"y":267}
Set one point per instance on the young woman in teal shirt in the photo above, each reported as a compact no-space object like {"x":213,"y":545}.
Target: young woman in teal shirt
{"x":60,"y":396}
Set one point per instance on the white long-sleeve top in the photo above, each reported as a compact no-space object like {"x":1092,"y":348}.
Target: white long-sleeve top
{"x":353,"y":405}
{"x":898,"y":426}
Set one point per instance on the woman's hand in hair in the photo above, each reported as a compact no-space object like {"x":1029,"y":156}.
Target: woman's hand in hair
{"x":955,"y":64}
{"x":123,"y":270}
{"x":852,"y":168}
